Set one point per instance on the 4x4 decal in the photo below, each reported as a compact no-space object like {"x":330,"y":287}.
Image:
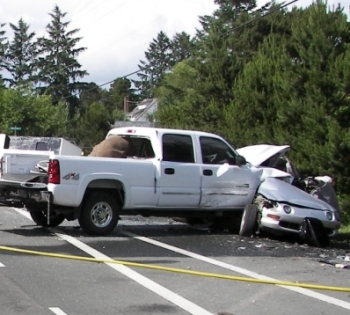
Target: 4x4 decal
{"x":69,"y":176}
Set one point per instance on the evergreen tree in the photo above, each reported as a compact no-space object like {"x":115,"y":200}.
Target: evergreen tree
{"x":91,"y":93}
{"x":177,"y":96}
{"x":299,"y":96}
{"x":92,"y":126}
{"x":181,"y":47}
{"x":21,"y":55}
{"x":59,"y":70}
{"x":119,"y":89}
{"x":157,"y":63}
{"x":3,"y":46}
{"x":222,"y":48}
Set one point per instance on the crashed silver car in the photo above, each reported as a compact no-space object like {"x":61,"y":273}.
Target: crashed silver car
{"x":286,"y":203}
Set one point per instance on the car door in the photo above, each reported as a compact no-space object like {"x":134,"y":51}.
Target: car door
{"x":178,"y":182}
{"x":224,"y":185}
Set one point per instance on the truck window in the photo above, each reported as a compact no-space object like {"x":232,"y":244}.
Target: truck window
{"x":178,"y":148}
{"x":141,"y":147}
{"x":215,"y":151}
{"x":42,"y":146}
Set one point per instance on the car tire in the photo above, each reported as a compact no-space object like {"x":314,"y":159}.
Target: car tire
{"x":40,"y":218}
{"x":249,"y":220}
{"x":100,"y":214}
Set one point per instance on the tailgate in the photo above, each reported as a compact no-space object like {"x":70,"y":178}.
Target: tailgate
{"x":17,"y":162}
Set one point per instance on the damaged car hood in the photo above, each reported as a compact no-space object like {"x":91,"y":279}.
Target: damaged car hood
{"x":258,"y":154}
{"x":280,"y":191}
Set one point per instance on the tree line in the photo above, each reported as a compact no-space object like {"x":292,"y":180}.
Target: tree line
{"x":272,"y":74}
{"x":281,"y":79}
{"x":42,"y":87}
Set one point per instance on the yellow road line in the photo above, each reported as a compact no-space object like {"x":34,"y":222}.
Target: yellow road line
{"x":177,"y":270}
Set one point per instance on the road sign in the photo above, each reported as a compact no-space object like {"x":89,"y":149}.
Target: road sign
{"x":16,"y":128}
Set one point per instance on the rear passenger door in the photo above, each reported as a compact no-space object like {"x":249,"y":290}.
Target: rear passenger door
{"x":178,"y":182}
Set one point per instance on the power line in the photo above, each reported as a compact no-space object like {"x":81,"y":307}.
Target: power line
{"x":223,"y":34}
{"x":68,"y":66}
{"x":103,"y":84}
{"x":80,"y":9}
{"x":98,"y":4}
{"x":152,"y":21}
{"x":126,"y":35}
{"x":109,"y":12}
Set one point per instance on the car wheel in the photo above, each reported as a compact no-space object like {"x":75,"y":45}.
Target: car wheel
{"x":100,"y":214}
{"x":40,"y":218}
{"x":249,"y":220}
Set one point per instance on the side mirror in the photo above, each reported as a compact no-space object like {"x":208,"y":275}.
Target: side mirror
{"x":237,"y":160}
{"x":240,"y":160}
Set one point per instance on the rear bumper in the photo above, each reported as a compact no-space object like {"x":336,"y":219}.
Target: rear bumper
{"x":17,"y":193}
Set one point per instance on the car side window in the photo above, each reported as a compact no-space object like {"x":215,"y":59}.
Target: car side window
{"x":215,"y":151}
{"x":177,"y":148}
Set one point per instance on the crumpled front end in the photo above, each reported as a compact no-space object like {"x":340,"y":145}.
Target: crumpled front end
{"x":283,"y":207}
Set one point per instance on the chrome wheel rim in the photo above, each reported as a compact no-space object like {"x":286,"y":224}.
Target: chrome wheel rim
{"x":101,"y":214}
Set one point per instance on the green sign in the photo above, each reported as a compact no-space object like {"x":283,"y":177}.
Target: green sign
{"x":16,"y":128}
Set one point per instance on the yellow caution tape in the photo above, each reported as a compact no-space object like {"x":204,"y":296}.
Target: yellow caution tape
{"x":177,"y":270}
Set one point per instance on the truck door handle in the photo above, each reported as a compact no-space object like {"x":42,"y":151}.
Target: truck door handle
{"x":207,"y":172}
{"x":169,"y":171}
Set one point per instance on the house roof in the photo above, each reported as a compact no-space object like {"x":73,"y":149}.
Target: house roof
{"x":129,"y":123}
{"x":142,"y":108}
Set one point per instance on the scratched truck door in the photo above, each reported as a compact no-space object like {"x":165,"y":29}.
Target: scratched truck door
{"x":224,"y":185}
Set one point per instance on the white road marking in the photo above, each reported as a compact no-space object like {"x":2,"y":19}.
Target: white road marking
{"x":172,"y":297}
{"x":2,"y":265}
{"x":140,"y":279}
{"x":23,"y":212}
{"x":57,"y":311}
{"x":307,"y":292}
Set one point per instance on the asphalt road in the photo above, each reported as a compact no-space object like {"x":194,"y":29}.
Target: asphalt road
{"x":37,"y":284}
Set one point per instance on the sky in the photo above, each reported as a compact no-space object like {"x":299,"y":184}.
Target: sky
{"x":116,"y":33}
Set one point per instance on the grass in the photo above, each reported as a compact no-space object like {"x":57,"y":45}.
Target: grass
{"x":345,"y":229}
{"x":344,"y":234}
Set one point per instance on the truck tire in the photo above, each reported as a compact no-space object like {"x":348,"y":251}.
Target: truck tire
{"x":40,"y":218}
{"x":100,"y":214}
{"x":249,"y":220}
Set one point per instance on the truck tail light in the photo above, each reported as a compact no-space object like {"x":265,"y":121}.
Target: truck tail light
{"x":54,"y":172}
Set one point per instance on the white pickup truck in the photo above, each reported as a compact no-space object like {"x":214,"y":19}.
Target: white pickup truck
{"x":177,"y":173}
{"x":172,"y":173}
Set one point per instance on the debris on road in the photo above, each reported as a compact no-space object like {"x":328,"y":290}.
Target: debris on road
{"x":337,"y":263}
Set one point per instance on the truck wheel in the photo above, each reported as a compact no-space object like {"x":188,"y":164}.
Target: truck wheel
{"x":40,"y":218}
{"x":100,"y":214}
{"x":249,"y":220}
